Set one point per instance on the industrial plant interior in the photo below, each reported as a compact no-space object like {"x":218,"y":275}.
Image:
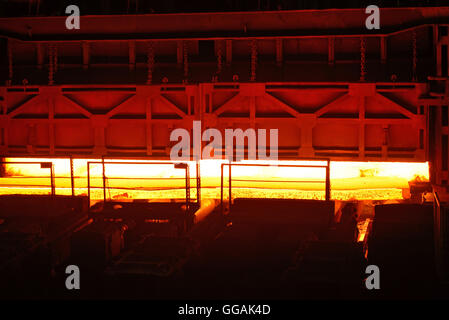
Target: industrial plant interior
{"x":355,"y":187}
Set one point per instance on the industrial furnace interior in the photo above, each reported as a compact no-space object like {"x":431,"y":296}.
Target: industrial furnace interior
{"x":233,"y":154}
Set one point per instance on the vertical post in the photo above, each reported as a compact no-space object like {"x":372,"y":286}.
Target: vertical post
{"x":104,"y":179}
{"x":187,"y":188}
{"x":230,"y":186}
{"x":72,"y":179}
{"x":385,"y":141}
{"x":198,"y":184}
{"x":186,"y":225}
{"x":221,"y":190}
{"x":328,"y":182}
{"x":52,"y":179}
{"x":88,"y":185}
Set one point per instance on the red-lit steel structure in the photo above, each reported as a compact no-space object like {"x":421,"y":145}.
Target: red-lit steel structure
{"x":120,"y":84}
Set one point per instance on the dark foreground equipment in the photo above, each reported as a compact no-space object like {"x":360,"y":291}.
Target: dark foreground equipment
{"x":35,"y":238}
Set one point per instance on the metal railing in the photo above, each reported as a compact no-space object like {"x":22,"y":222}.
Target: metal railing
{"x":230,"y":165}
{"x":177,"y":165}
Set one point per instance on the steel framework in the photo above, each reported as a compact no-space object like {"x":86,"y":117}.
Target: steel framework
{"x":121,"y":84}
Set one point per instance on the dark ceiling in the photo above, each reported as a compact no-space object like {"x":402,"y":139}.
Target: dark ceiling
{"x":14,"y":8}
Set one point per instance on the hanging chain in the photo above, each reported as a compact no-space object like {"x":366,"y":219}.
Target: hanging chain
{"x":55,"y":58}
{"x":150,"y":61}
{"x":186,"y":60}
{"x":415,"y":56}
{"x":51,"y":61}
{"x":219,"y":57}
{"x":10,"y":66}
{"x":362,"y":59}
{"x":253,"y":59}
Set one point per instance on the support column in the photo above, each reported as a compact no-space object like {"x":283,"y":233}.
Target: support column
{"x":385,"y":141}
{"x":306,"y":124}
{"x":31,"y":138}
{"x":99,"y":123}
{"x":252,"y":112}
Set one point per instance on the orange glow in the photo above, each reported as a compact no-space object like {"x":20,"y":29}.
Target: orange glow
{"x":157,"y":221}
{"x":143,"y":180}
{"x":363,"y":230}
